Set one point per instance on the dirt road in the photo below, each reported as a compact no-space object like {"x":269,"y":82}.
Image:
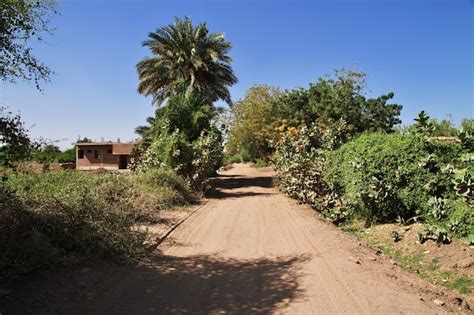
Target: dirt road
{"x":250,"y":249}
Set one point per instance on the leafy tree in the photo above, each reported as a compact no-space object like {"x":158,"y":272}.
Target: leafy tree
{"x":331,"y":99}
{"x":68,"y":155}
{"x":51,"y":153}
{"x":264,"y":114}
{"x":253,"y":122}
{"x":340,"y":97}
{"x":20,"y":22}
{"x":15,"y":144}
{"x":186,"y":59}
{"x":293,"y":107}
{"x":51,"y":148}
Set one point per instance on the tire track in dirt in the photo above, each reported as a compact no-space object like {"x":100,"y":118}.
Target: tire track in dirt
{"x":254,"y":221}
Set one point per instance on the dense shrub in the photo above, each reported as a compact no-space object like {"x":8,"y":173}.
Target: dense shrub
{"x":182,"y":137}
{"x":299,"y":162}
{"x":62,"y":215}
{"x":207,"y":159}
{"x":377,"y":175}
{"x":382,"y":177}
{"x":195,"y":162}
{"x":171,"y":151}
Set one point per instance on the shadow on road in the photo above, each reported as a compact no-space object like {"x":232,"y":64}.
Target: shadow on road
{"x":195,"y":284}
{"x":223,"y":185}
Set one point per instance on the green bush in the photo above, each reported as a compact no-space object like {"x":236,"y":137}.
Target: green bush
{"x":207,"y":159}
{"x":383,"y":177}
{"x":168,"y":151}
{"x":234,"y":159}
{"x":377,"y":175}
{"x":245,"y":155}
{"x":299,"y":162}
{"x":299,"y":165}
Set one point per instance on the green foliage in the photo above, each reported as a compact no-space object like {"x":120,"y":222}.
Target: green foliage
{"x":466,"y":135}
{"x":299,"y":162}
{"x":186,"y":59}
{"x":423,"y":124}
{"x":190,"y":115}
{"x":397,"y":237}
{"x":47,"y":156}
{"x":207,"y":159}
{"x":438,"y":234}
{"x":470,"y":239}
{"x":341,"y":97}
{"x":252,"y":128}
{"x":266,"y":113}
{"x":464,"y":186}
{"x":382,"y":177}
{"x":377,"y":176}
{"x":23,"y":21}
{"x":245,"y":155}
{"x":58,"y":216}
{"x":68,"y":155}
{"x":196,"y":161}
{"x":443,"y":128}
{"x":168,"y":151}
{"x":50,"y":215}
{"x":149,"y":193}
{"x":15,"y":144}
{"x":182,"y":137}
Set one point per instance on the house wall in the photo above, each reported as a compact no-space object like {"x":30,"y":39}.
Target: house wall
{"x":107,"y":160}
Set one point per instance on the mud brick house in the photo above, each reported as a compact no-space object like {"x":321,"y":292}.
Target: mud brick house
{"x":106,"y":155}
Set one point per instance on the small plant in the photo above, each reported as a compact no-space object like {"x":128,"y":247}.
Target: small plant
{"x":438,"y":205}
{"x":338,"y":215}
{"x":397,"y":237}
{"x":464,"y":186}
{"x":438,"y":234}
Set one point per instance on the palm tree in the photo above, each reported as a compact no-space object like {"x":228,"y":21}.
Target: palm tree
{"x":147,"y":131}
{"x":186,"y":59}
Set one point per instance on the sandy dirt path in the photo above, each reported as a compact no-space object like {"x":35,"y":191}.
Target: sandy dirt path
{"x":250,"y":249}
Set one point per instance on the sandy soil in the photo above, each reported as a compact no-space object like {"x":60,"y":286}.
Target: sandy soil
{"x":250,"y":249}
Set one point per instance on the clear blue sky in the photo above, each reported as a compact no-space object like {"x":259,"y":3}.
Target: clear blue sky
{"x":420,"y":50}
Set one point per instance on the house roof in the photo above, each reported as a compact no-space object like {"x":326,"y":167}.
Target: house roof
{"x":118,"y":148}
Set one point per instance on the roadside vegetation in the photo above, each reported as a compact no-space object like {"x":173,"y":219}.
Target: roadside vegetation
{"x":65,"y":216}
{"x":348,"y":157}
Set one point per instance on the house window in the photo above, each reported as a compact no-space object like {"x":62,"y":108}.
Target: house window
{"x":97,"y":154}
{"x":109,"y":151}
{"x":80,"y":154}
{"x":89,"y":151}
